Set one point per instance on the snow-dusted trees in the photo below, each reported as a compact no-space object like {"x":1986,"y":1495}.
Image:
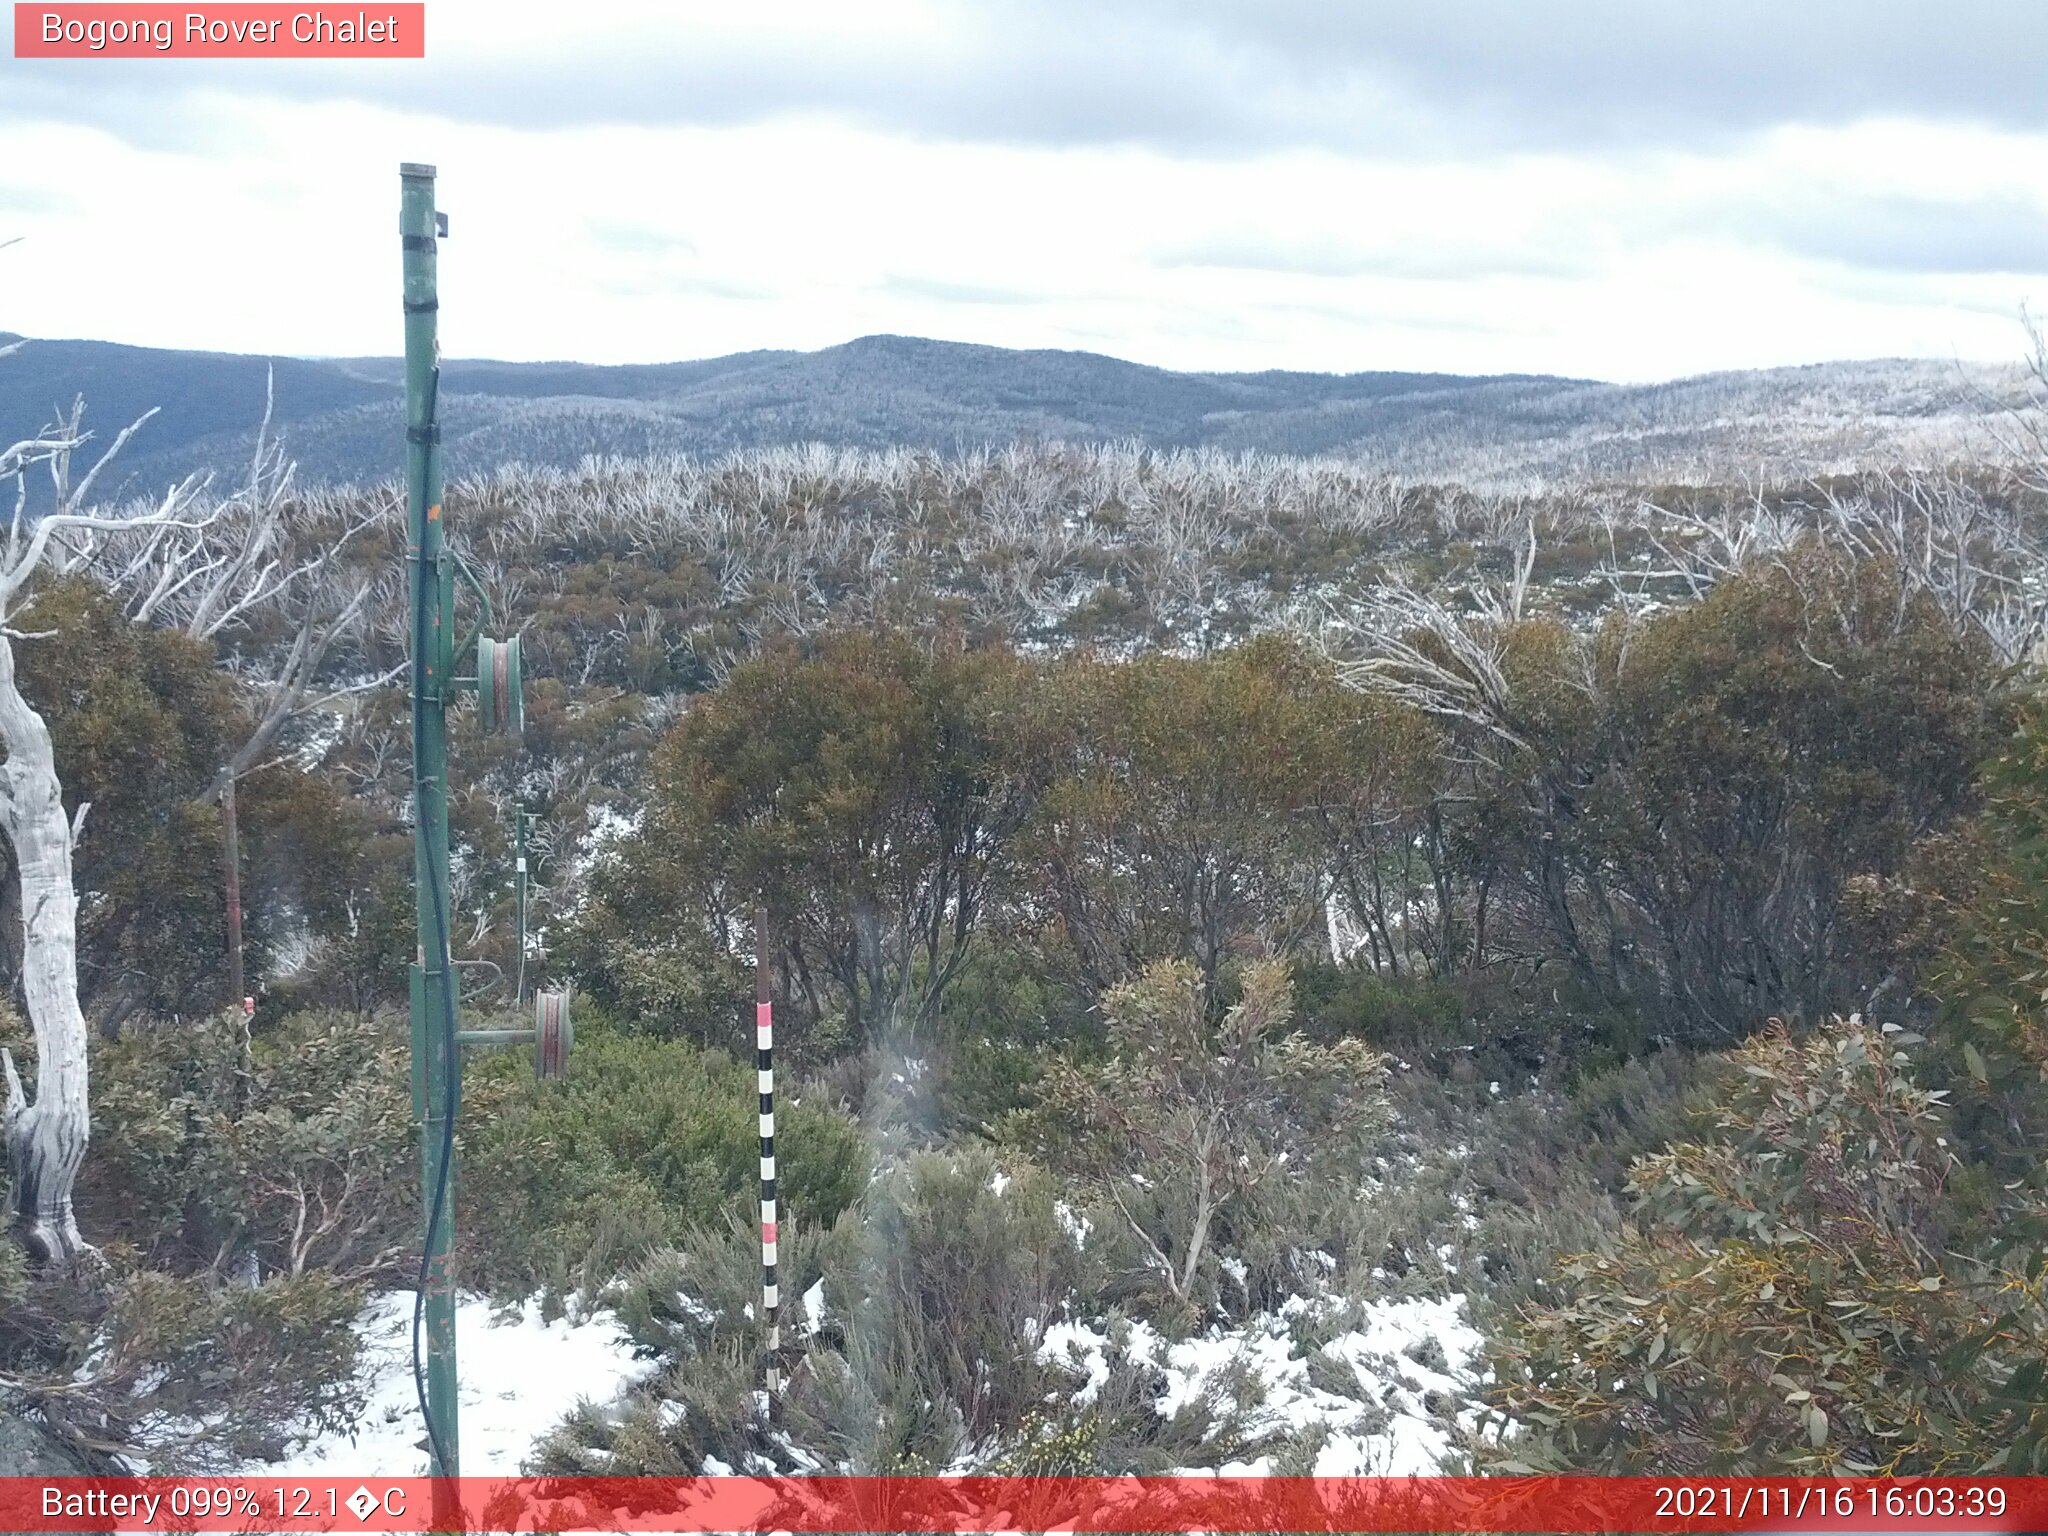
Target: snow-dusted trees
{"x":1934,"y":535}
{"x":189,"y":561}
{"x":1674,"y":807}
{"x":265,"y":576}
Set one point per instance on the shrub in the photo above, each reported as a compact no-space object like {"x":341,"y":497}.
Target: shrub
{"x":1338,"y":1001}
{"x":1680,"y":812}
{"x":1993,"y":1024}
{"x":200,"y":1376}
{"x":1485,"y":1193}
{"x":1003,"y":1018}
{"x":1183,"y":819}
{"x":1797,"y":728}
{"x":1798,"y":1293}
{"x":570,"y":1182}
{"x":868,"y":793}
{"x":294,"y":1147}
{"x":1207,"y":1133}
{"x":181,"y":1372}
{"x":933,"y":1286}
{"x":298,"y":1147}
{"x":675,"y":985}
{"x":303,"y":1153}
{"x":937,"y":1291}
{"x":211,"y":1150}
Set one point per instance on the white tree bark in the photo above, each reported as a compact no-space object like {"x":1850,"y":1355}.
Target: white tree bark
{"x":45,"y":1140}
{"x":175,"y":564}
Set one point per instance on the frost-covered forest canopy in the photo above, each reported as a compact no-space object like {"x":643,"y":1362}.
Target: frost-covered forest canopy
{"x":1515,"y":431}
{"x":1279,"y":964}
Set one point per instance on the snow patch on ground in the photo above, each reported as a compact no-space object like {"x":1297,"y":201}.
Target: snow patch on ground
{"x":1077,"y":1226}
{"x":1391,"y":1424}
{"x":814,"y":1310}
{"x":520,"y":1375}
{"x":1414,"y":1360}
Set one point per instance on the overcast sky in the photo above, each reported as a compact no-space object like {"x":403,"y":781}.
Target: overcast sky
{"x":1630,"y":190}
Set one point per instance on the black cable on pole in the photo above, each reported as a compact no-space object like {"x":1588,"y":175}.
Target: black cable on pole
{"x":429,"y":589}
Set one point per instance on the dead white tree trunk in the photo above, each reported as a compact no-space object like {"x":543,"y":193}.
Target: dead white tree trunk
{"x":46,"y":1138}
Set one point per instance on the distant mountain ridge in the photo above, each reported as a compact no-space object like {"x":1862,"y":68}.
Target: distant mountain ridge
{"x":341,"y":416}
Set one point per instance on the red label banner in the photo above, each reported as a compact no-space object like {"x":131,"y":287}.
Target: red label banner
{"x":236,"y":31}
{"x":975,"y":1504}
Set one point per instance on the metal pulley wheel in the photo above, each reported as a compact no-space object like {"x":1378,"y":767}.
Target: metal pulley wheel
{"x":499,"y":693}
{"x":552,"y":1034}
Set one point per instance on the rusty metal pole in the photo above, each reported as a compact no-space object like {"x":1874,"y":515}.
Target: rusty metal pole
{"x":231,"y":871}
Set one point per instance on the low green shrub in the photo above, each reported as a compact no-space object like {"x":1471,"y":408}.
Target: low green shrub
{"x":677,"y":987}
{"x":182,"y":1373}
{"x":929,"y":1286}
{"x":567,"y":1183}
{"x":1341,"y":1001}
{"x":241,"y":1192}
{"x":1478,"y":1025}
{"x":1004,"y":1015}
{"x":294,"y":1147}
{"x":1797,"y":1293}
{"x":1213,"y":1137}
{"x":935,"y":1293}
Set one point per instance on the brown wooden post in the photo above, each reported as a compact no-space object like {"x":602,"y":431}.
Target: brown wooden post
{"x":231,"y":859}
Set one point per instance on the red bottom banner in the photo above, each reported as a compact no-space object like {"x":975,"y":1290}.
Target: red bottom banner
{"x":972,"y":1504}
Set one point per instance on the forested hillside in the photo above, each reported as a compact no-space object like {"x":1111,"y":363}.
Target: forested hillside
{"x":887,"y":392}
{"x":1278,"y":965}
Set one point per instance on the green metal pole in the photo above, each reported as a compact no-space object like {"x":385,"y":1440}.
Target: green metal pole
{"x":437,"y":1085}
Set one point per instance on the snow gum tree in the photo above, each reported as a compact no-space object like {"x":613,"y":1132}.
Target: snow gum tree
{"x":254,"y":563}
{"x":46,"y":1137}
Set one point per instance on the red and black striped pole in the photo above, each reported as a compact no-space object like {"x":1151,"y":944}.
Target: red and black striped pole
{"x":764,"y":1066}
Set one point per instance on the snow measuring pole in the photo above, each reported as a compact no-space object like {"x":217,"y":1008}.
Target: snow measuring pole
{"x":764,"y":1068}
{"x":437,"y":1036}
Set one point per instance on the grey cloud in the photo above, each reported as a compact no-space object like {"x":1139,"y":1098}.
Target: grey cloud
{"x":1453,"y":77}
{"x":1570,"y":73}
{"x":153,"y":109}
{"x":1031,"y":83}
{"x":955,"y":293}
{"x":2003,"y":234}
{"x":638,"y":240}
{"x":1330,"y":258}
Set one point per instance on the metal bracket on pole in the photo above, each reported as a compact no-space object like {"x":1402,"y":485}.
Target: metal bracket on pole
{"x":551,"y":1037}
